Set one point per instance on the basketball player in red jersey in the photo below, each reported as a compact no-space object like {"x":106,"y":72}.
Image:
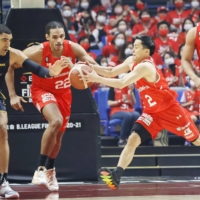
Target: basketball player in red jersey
{"x":192,"y":43}
{"x":161,"y":109}
{"x":52,"y":97}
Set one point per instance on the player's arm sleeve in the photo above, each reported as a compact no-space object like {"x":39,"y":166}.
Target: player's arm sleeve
{"x":36,"y":68}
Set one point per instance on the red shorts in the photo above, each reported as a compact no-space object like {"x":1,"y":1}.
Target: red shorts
{"x":41,"y":98}
{"x":174,"y":119}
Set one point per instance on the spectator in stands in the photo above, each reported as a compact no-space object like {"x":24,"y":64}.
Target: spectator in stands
{"x":117,"y":14}
{"x":113,"y":49}
{"x":124,"y":52}
{"x":190,"y":101}
{"x":96,"y":6}
{"x":195,"y":11}
{"x":51,"y":4}
{"x":187,"y":25}
{"x":73,"y":3}
{"x":140,"y":5}
{"x":69,"y":19}
{"x":162,"y":12}
{"x":172,"y":72}
{"x":99,"y":31}
{"x":102,"y":61}
{"x":144,"y":26}
{"x":84,"y":42}
{"x":83,"y":5}
{"x":121,"y":102}
{"x":163,"y":43}
{"x":177,"y":15}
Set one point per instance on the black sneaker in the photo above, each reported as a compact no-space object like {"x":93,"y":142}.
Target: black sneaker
{"x":109,"y":178}
{"x":122,"y":144}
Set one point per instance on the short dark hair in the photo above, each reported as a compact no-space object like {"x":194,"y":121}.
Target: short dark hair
{"x":53,"y":25}
{"x":147,"y":43}
{"x":4,"y":29}
{"x":163,"y":22}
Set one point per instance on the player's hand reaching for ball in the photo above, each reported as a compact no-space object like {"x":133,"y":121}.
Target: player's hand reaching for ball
{"x":57,"y":67}
{"x":90,"y":76}
{"x":68,"y":61}
{"x":15,"y":102}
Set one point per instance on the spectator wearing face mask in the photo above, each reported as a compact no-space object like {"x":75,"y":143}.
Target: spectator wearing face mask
{"x":191,"y":102}
{"x":187,"y":25}
{"x":163,"y":43}
{"x":73,"y":3}
{"x":124,"y":53}
{"x":195,"y":11}
{"x":84,"y":42}
{"x":51,"y":4}
{"x":177,"y":15}
{"x":162,"y":12}
{"x":144,"y":26}
{"x":100,"y":30}
{"x":69,"y":19}
{"x":113,"y":49}
{"x":172,"y":72}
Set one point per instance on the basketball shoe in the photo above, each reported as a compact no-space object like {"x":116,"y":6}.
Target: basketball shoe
{"x":52,"y":182}
{"x":52,"y":196}
{"x":7,"y":192}
{"x":39,"y":177}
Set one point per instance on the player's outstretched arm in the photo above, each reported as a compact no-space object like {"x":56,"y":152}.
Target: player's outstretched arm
{"x":142,"y":70}
{"x":19,"y":59}
{"x":187,"y":55}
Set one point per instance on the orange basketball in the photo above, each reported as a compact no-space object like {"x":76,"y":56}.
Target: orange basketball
{"x":74,"y":76}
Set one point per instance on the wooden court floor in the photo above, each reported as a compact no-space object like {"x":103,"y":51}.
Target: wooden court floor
{"x":136,"y":189}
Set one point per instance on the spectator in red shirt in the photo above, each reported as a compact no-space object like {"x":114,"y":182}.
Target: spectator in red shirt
{"x":177,"y":15}
{"x":121,"y":102}
{"x":113,"y":49}
{"x":144,"y":26}
{"x":163,"y":43}
{"x":187,"y":25}
{"x":162,"y":12}
{"x":195,"y":11}
{"x":84,"y":42}
{"x":172,"y":73}
{"x":124,"y":53}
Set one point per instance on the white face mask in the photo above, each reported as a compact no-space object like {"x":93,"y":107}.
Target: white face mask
{"x":104,"y":64}
{"x":187,"y":27}
{"x":192,"y":83}
{"x":169,"y":61}
{"x":122,"y":28}
{"x":118,"y":10}
{"x":119,"y":42}
{"x":51,"y":3}
{"x":101,"y":19}
{"x":128,"y":52}
{"x":195,"y":4}
{"x":84,"y":5}
{"x":67,"y":13}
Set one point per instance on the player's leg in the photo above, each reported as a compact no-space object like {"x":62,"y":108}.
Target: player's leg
{"x":139,"y":135}
{"x":5,"y":190}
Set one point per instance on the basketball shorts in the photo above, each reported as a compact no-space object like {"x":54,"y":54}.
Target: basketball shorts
{"x":41,"y":98}
{"x":2,"y":103}
{"x":174,"y":119}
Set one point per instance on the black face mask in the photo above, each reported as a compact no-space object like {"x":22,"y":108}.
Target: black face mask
{"x":172,"y":68}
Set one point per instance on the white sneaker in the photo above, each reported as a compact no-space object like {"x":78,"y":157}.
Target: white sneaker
{"x":52,"y":196}
{"x":7,"y":192}
{"x":51,"y":179}
{"x":39,"y":177}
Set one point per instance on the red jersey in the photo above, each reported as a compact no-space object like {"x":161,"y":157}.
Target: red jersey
{"x":156,"y":96}
{"x":56,"y":83}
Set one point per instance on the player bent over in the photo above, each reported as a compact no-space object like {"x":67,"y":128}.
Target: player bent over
{"x":161,"y":109}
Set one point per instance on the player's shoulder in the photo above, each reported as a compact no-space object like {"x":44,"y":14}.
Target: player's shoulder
{"x":35,"y":50}
{"x":15,"y":52}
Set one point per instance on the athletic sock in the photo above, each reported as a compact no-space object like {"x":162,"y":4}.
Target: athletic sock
{"x":42,"y":160}
{"x":3,"y":177}
{"x":50,"y":163}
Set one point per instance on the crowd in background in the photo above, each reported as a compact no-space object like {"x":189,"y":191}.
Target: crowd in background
{"x":106,"y":29}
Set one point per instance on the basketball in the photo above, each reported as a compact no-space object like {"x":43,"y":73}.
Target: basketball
{"x":74,"y":76}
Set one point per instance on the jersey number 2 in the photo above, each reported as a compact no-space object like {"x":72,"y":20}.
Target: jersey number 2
{"x":150,"y":100}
